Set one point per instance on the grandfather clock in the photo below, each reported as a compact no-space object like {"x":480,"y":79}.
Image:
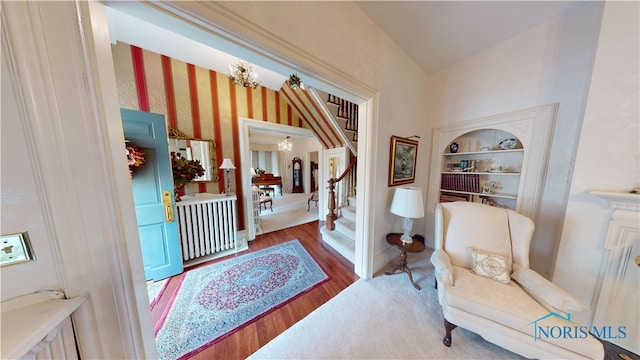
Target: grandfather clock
{"x":297,"y":175}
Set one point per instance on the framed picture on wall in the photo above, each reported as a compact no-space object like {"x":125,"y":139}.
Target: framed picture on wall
{"x":402,"y":161}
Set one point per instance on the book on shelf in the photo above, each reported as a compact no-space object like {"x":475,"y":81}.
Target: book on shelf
{"x":467,"y":182}
{"x":461,"y":165}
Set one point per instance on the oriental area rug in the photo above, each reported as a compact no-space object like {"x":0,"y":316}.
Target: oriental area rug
{"x":216,"y":300}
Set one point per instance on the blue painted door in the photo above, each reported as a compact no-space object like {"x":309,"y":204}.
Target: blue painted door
{"x":152,"y":188}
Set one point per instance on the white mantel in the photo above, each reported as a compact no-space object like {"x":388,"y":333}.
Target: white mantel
{"x":618,"y":294}
{"x":626,"y":202}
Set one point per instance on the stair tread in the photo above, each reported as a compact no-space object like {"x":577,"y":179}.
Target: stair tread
{"x":346,"y":222}
{"x":346,"y":227}
{"x":349,"y":212}
{"x":351,"y":209}
{"x":344,"y":245}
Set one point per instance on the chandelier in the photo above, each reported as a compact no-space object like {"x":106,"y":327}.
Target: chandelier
{"x":242,"y":74}
{"x":285,"y":145}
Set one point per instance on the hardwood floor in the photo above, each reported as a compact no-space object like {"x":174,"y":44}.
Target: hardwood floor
{"x":250,"y":338}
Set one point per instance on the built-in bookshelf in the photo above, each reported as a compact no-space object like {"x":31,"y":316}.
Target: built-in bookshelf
{"x":482,"y":166}
{"x":518,"y":172}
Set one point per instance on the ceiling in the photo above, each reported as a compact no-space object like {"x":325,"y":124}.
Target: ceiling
{"x":436,"y":34}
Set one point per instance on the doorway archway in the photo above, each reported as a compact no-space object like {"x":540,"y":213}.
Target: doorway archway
{"x":245,"y":126}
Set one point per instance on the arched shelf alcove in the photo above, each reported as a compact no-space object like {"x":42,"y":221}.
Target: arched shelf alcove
{"x":521,"y":170}
{"x":483,"y":165}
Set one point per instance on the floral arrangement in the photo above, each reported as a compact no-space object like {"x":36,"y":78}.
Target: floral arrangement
{"x":135,"y":158}
{"x":184,"y":170}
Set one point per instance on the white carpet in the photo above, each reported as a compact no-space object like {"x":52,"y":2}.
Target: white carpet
{"x":288,"y":210}
{"x":381,"y":318}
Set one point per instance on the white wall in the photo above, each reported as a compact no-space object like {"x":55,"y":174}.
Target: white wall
{"x":608,"y":156}
{"x":547,"y":64}
{"x":22,"y":207}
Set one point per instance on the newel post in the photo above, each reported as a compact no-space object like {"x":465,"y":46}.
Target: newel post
{"x":331,"y":215}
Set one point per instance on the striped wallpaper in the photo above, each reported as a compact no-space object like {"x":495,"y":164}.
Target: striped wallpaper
{"x":199,"y":102}
{"x":319,"y":121}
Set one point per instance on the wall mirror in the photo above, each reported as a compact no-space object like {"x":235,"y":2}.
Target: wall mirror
{"x":195,"y":149}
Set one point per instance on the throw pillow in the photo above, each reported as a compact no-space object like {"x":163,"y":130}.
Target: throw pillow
{"x":547,"y":293}
{"x":489,"y":265}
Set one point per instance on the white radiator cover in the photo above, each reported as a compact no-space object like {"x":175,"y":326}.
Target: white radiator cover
{"x":207,"y":224}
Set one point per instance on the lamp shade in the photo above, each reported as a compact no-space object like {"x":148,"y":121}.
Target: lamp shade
{"x":407,"y":202}
{"x":226,"y":164}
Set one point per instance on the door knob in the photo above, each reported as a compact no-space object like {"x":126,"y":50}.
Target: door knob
{"x":167,"y":204}
{"x":638,"y":260}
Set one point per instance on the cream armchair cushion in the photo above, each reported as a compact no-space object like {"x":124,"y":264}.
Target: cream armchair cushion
{"x":482,"y":230}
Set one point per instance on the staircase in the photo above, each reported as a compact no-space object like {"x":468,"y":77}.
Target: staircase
{"x":345,"y":115}
{"x":342,"y":239}
{"x":334,"y":121}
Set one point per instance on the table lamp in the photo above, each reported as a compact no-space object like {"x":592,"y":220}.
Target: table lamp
{"x":227,"y":165}
{"x":407,"y":202}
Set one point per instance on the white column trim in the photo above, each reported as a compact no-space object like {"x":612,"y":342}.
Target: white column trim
{"x":66,"y":87}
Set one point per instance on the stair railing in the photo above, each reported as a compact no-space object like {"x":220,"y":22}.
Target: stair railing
{"x":349,"y":175}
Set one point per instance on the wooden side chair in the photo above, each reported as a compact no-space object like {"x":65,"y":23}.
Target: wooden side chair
{"x":264,"y":200}
{"x":313,"y":197}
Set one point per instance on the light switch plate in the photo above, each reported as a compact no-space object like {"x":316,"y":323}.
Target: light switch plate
{"x":15,"y":249}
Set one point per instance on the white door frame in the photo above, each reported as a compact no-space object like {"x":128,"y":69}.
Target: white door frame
{"x":244,"y":124}
{"x":341,"y":153}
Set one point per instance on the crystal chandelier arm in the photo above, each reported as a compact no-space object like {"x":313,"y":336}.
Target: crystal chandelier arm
{"x":242,"y":74}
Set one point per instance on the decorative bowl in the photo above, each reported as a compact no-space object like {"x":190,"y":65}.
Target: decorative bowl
{"x":507,"y":144}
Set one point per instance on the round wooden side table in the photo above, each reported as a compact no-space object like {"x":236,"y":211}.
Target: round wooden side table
{"x":415,"y":247}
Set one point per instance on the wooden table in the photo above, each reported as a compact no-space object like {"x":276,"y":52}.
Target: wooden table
{"x":415,"y":247}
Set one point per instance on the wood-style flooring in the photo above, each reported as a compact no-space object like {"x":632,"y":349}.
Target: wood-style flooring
{"x":250,"y":338}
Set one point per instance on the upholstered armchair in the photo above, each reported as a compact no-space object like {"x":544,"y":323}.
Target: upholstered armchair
{"x":484,"y":284}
